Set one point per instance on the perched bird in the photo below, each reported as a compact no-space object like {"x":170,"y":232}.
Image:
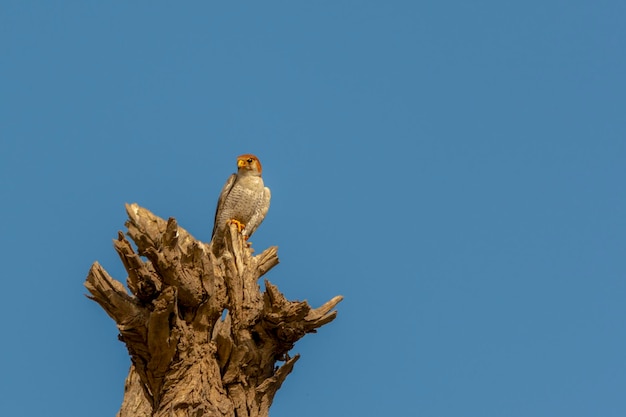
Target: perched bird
{"x":244,"y":200}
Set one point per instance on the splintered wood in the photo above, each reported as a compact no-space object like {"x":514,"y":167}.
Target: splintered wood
{"x":203,"y":339}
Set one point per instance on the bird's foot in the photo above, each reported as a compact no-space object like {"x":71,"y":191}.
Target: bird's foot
{"x":240,"y":226}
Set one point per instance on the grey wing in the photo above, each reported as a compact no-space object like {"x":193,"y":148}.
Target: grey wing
{"x":222,"y":199}
{"x":260,"y":213}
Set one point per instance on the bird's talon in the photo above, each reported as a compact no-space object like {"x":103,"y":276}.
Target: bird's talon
{"x":240,"y":226}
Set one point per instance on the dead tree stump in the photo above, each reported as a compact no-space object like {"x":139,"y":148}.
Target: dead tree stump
{"x":203,"y":339}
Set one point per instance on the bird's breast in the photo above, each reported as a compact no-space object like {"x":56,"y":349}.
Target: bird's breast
{"x":245,"y":197}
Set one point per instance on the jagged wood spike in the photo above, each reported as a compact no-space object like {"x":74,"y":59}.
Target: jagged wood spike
{"x":142,"y":280}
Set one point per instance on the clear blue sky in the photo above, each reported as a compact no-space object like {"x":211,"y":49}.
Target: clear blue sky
{"x":455,"y":169}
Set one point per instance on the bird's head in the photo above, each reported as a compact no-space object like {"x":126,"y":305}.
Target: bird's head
{"x":248,"y":164}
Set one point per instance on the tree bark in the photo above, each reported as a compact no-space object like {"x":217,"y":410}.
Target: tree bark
{"x":202,"y":337}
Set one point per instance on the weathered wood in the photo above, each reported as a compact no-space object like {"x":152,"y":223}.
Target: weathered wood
{"x":204,"y":340}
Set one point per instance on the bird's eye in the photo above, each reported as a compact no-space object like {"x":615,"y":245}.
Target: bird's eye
{"x":249,"y":160}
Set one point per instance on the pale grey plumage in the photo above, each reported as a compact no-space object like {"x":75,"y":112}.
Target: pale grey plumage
{"x":244,"y":197}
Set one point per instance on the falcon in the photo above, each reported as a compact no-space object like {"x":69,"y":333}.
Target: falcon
{"x":244,"y":200}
